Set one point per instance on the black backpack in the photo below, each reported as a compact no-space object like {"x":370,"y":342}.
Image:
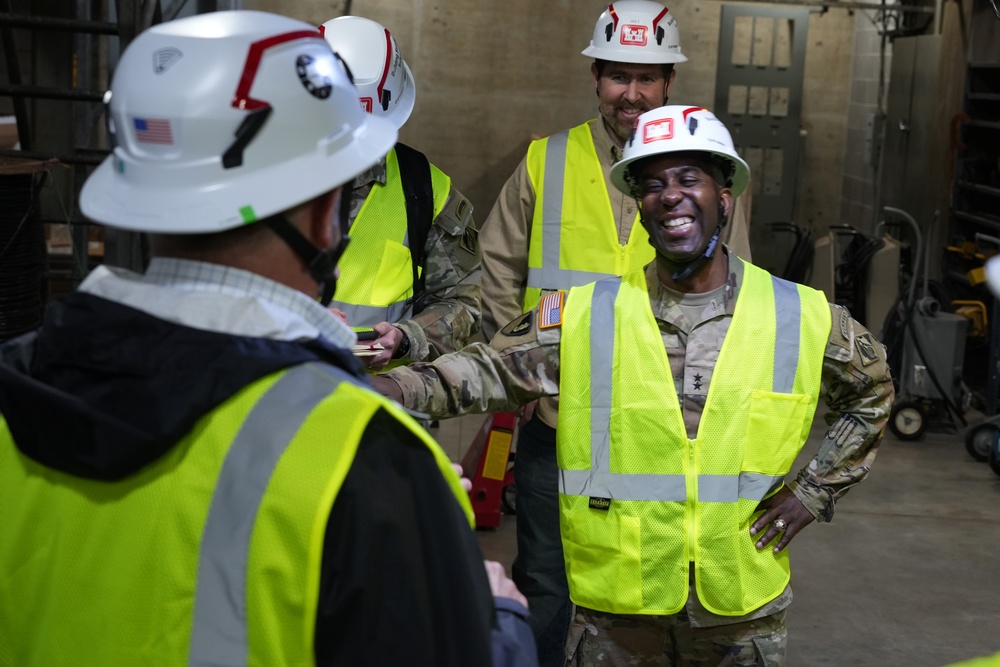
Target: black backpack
{"x":415,"y":173}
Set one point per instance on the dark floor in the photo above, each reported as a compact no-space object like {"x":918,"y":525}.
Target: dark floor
{"x":907,"y":574}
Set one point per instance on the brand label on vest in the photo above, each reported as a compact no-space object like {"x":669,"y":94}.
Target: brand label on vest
{"x":600,"y":504}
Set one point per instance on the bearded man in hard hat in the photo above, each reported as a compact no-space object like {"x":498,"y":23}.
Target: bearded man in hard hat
{"x":688,"y":388}
{"x":558,"y":223}
{"x":412,"y":270}
{"x":192,"y":467}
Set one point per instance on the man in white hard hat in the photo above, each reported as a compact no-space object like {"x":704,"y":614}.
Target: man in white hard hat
{"x":193,"y":469}
{"x":558,"y":223}
{"x":412,"y":270}
{"x":688,"y":388}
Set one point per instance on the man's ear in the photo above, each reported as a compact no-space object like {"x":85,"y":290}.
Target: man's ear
{"x":593,"y":73}
{"x":324,"y":228}
{"x":726,"y":205}
{"x":642,"y":216}
{"x":670,"y":82}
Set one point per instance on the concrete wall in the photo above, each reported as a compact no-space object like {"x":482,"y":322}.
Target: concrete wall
{"x":825,"y":99}
{"x":492,"y":75}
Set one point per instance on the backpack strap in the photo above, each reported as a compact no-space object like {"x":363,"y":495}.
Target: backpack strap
{"x":415,"y":173}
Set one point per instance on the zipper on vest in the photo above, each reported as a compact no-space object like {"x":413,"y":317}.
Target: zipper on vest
{"x":691,"y":481}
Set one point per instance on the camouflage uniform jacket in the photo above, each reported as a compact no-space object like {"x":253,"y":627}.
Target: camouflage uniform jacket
{"x":522,"y":363}
{"x":453,"y":311}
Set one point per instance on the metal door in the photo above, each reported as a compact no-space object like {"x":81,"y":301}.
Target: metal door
{"x":762,"y":53}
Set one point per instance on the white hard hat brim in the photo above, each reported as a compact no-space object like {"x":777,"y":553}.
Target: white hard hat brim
{"x":633,"y":56}
{"x":740,"y":177}
{"x":226,"y":204}
{"x":401,"y":112}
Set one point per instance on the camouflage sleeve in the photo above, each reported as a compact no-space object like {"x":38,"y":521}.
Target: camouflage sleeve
{"x":857,"y":389}
{"x":506,"y":232}
{"x":453,"y":309}
{"x":518,"y":366}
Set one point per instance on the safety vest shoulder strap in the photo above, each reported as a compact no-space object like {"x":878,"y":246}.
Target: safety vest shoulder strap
{"x":270,"y":507}
{"x":220,"y":625}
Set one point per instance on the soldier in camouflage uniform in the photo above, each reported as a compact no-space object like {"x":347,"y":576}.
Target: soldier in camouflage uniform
{"x":450,"y":263}
{"x":682,"y":195}
{"x":453,"y":309}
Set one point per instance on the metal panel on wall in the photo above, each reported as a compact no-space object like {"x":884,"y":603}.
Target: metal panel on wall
{"x":762,"y":53}
{"x":911,"y":159}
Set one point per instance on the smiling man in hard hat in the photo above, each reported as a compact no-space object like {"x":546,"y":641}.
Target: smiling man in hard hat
{"x":193,"y":470}
{"x":687,"y":389}
{"x":558,"y":223}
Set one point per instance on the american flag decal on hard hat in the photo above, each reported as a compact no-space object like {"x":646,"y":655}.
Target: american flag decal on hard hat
{"x":153,"y":131}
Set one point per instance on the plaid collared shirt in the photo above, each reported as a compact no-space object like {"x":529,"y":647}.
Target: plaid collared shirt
{"x":220,"y":298}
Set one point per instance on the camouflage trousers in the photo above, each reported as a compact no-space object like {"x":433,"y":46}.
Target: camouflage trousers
{"x":610,"y":640}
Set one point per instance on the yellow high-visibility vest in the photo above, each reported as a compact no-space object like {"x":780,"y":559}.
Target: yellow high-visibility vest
{"x":376,"y":272}
{"x":639,"y":501}
{"x":209,"y":555}
{"x":574,"y":236}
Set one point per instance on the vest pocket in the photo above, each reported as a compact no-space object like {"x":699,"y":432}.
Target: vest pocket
{"x":775,"y":429}
{"x":394,"y":281}
{"x":603,"y":557}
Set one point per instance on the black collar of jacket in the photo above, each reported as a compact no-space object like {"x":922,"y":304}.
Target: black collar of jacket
{"x":103,"y":389}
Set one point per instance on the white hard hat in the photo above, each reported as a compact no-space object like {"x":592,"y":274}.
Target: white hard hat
{"x":385,"y":83}
{"x":993,"y":275}
{"x":676,"y":129}
{"x":226,"y":118}
{"x":636,"y":31}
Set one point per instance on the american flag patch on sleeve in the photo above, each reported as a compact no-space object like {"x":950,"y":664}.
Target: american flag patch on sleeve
{"x":550,"y":310}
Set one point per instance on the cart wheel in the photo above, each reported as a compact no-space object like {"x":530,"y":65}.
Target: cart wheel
{"x":979,"y":440}
{"x":994,"y":458}
{"x":907,"y":420}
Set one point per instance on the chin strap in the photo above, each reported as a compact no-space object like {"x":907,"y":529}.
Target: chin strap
{"x":320,"y":263}
{"x":695,"y":265}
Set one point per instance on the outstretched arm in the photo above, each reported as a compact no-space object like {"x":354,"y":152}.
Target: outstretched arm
{"x":521,"y":364}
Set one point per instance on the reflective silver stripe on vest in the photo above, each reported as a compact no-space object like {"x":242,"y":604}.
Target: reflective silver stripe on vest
{"x":598,"y":482}
{"x":788,"y":313}
{"x":602,"y":359}
{"x":552,"y":195}
{"x":219,"y":631}
{"x":366,"y":316}
{"x":730,"y":488}
{"x":564,"y":279}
